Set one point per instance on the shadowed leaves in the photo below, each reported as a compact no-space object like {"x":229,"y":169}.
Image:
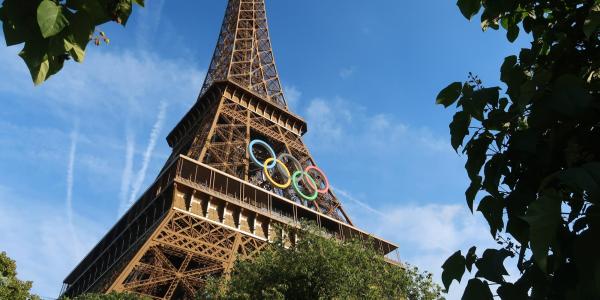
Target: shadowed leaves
{"x":56,"y":31}
{"x":538,"y":147}
{"x":453,"y":269}
{"x":477,"y":290}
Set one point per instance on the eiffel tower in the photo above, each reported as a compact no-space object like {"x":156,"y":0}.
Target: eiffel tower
{"x":223,"y":194}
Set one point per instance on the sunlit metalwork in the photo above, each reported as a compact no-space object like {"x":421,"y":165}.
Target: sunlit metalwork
{"x":210,"y":204}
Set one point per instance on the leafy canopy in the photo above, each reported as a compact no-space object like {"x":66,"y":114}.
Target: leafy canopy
{"x":318,"y":267}
{"x":54,"y":31}
{"x":533,"y":153}
{"x":10,"y":286}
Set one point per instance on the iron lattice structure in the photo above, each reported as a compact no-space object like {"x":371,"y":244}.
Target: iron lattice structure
{"x":210,"y":205}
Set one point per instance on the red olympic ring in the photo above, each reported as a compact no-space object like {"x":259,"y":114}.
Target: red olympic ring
{"x":320,"y":191}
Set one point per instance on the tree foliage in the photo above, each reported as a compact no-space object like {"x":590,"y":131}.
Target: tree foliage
{"x":10,"y":286}
{"x":57,"y":30}
{"x":318,"y":267}
{"x":533,"y":152}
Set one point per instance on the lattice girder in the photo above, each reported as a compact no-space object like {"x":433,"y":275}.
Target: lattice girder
{"x":183,"y":251}
{"x":244,"y":54}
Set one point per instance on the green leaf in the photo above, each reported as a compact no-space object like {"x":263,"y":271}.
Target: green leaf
{"x":528,"y":90}
{"x":123,"y":11}
{"x":453,"y":269}
{"x":459,"y":128}
{"x":569,"y":96}
{"x":512,"y":291}
{"x":449,"y":94}
{"x":12,"y":36}
{"x":56,"y":64}
{"x":477,"y":153}
{"x":591,"y":23}
{"x":36,"y":58}
{"x":488,"y":95}
{"x":57,"y":45}
{"x":518,"y":228}
{"x":74,"y":50}
{"x":469,"y":8}
{"x":493,"y":170}
{"x":497,"y":120}
{"x":472,"y":191}
{"x":471,"y":258}
{"x":491,"y":265}
{"x":477,"y":290}
{"x":93,"y":10}
{"x":492,"y":210}
{"x":585,"y":178}
{"x":77,"y":53}
{"x":528,"y":24}
{"x":488,"y":21}
{"x":544,"y":218}
{"x":18,"y":21}
{"x":525,"y":142}
{"x":512,"y":33}
{"x":506,"y":68}
{"x":81,"y":29}
{"x":139,"y":2}
{"x":503,"y":102}
{"x":39,"y":73}
{"x":50,"y":18}
{"x":474,"y":106}
{"x":476,"y":102}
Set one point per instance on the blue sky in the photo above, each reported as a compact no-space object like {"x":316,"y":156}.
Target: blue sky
{"x":77,"y":150}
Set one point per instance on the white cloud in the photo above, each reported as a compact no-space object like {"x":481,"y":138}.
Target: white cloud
{"x":111,"y":92}
{"x":339,"y":124}
{"x":148,"y":21}
{"x":36,"y":235}
{"x":292,"y":96}
{"x":327,"y":123}
{"x":347,"y":72}
{"x":109,"y":85}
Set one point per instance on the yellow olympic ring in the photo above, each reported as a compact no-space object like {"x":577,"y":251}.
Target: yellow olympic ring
{"x":268,"y":175}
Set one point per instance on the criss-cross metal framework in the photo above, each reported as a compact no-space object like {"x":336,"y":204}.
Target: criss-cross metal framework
{"x":210,"y":205}
{"x":244,"y":54}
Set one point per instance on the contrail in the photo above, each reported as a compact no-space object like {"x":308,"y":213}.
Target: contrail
{"x":127,"y":171}
{"x":70,"y":171}
{"x":366,"y":206}
{"x":70,"y":181}
{"x":148,"y":153}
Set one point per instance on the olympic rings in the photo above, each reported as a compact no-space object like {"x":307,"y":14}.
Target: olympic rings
{"x":264,"y":144}
{"x":297,"y":188}
{"x":310,"y":184}
{"x":326,"y":188}
{"x":289,"y":179}
{"x":296,"y":164}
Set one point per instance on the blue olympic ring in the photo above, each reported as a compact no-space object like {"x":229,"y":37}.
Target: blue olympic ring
{"x":271,"y":151}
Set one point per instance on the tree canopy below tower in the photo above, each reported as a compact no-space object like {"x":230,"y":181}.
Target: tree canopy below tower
{"x":319,"y":267}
